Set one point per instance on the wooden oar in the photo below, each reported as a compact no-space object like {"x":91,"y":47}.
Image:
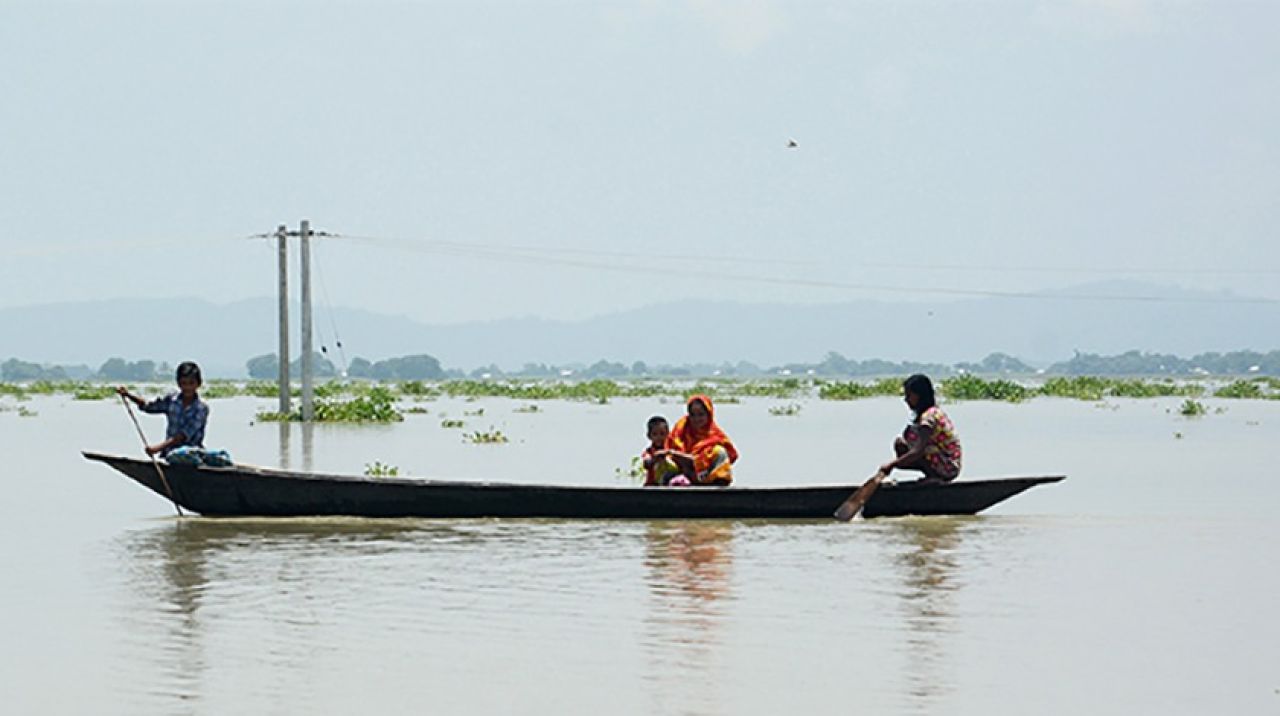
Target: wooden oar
{"x":154,"y":462}
{"x":852,"y":506}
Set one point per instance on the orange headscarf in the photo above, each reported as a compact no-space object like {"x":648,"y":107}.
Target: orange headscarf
{"x":700,"y":444}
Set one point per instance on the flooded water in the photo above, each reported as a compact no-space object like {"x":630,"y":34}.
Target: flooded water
{"x":1143,"y":583}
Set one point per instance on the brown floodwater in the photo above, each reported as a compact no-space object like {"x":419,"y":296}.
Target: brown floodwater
{"x":1144,"y":583}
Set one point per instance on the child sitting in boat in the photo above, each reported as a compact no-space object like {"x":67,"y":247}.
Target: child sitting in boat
{"x":659,"y":470}
{"x":187,"y":416}
{"x":929,"y":443}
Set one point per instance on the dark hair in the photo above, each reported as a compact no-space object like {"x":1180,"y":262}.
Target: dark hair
{"x":654,"y":421}
{"x":923,"y":388}
{"x":187,"y":369}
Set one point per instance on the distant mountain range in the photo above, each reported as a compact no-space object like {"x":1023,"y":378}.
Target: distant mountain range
{"x":1047,"y":327}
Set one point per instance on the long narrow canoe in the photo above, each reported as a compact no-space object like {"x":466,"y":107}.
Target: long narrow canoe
{"x":246,"y":491}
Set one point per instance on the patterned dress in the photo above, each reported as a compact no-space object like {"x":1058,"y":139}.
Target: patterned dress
{"x":943,"y":452}
{"x":713,"y":453}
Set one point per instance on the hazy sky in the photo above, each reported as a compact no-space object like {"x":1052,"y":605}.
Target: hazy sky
{"x":985,"y":143}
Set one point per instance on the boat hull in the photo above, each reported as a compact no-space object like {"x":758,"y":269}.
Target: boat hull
{"x":246,"y":491}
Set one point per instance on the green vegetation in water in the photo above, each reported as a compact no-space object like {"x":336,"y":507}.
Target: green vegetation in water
{"x":262,"y":389}
{"x":489,"y":437}
{"x":473,"y":413}
{"x":1192,"y":408}
{"x":530,"y":408}
{"x":448,"y":423}
{"x":971,"y":387}
{"x":419,"y":389}
{"x":94,"y":392}
{"x":788,"y":410}
{"x":1082,"y":387}
{"x":854,"y":390}
{"x":368,"y":395}
{"x":377,"y":405}
{"x":1265,"y":388}
{"x":416,"y":410}
{"x":215,"y":390}
{"x":25,"y":412}
{"x":634,"y":472}
{"x":377,"y":469}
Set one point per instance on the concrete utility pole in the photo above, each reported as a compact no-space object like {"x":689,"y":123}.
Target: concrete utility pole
{"x":304,"y":233}
{"x":283,"y":256}
{"x":282,"y":234}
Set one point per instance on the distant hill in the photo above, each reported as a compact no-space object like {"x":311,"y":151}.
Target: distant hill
{"x":1050,"y":327}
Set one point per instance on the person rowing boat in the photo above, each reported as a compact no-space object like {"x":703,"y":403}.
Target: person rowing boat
{"x":929,"y":443}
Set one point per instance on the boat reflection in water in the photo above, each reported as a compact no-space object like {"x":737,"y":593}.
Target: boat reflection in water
{"x":265,"y":601}
{"x":927,"y":556}
{"x":688,"y":572}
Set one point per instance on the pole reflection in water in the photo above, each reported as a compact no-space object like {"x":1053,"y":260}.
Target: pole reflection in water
{"x":308,"y":431}
{"x":308,"y":445}
{"x":926,"y":555}
{"x":286,"y":432}
{"x":688,"y":574}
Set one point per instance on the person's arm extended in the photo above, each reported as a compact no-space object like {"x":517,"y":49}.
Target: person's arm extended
{"x":172,"y":442}
{"x":124,"y":392}
{"x":676,"y":455}
{"x":913,"y":454}
{"x":683,"y":460}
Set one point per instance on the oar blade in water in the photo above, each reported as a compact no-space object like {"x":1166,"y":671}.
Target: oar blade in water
{"x":852,"y":506}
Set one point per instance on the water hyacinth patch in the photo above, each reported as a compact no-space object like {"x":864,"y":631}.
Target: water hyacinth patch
{"x":854,"y":390}
{"x":1192,"y":408}
{"x":377,"y":405}
{"x":634,"y":472}
{"x":489,"y":437}
{"x":971,"y":387}
{"x":377,"y":469}
{"x":94,"y":392}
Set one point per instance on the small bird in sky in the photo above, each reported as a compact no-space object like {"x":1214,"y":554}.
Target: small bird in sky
{"x":792,"y":144}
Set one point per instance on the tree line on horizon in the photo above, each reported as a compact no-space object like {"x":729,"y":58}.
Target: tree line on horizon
{"x":426,"y":367}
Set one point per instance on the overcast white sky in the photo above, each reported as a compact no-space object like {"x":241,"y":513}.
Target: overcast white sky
{"x":983,"y":142}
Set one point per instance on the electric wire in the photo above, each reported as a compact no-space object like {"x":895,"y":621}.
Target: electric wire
{"x":328,"y":307}
{"x":491,"y":252}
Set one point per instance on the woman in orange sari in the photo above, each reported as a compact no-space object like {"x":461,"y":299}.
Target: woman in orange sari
{"x":700,"y":448}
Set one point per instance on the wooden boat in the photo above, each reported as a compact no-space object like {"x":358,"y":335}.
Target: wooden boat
{"x":245,"y":491}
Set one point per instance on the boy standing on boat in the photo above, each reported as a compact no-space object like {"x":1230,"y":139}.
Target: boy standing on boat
{"x":187,"y":413}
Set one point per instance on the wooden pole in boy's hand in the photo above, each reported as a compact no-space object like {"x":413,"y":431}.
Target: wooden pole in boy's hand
{"x":154,"y":462}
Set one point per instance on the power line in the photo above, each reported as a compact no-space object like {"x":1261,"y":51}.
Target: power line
{"x":419,"y":244}
{"x":490,"y":252}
